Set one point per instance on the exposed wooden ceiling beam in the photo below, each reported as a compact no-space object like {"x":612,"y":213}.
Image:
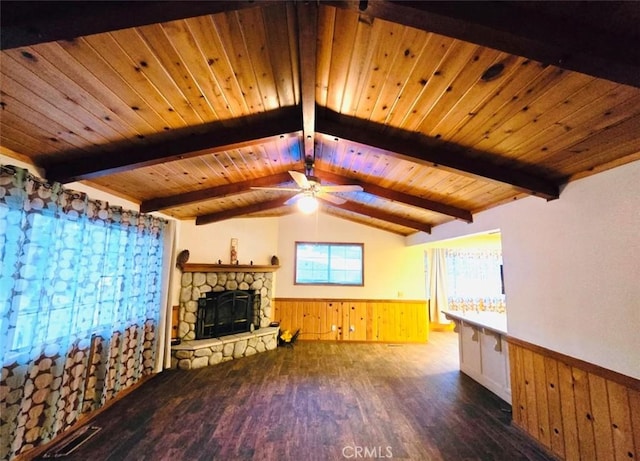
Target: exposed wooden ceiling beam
{"x":524,"y":32}
{"x":162,"y":203}
{"x":383,"y":216}
{"x":307,"y":37}
{"x":218,"y":139}
{"x":279,"y":202}
{"x":27,"y":23}
{"x":366,"y":222}
{"x":389,"y":194}
{"x":413,"y":147}
{"x":240,"y":211}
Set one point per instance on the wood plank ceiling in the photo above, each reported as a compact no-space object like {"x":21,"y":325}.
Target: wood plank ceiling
{"x":439,"y":110}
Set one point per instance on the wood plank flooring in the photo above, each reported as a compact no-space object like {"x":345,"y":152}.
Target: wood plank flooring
{"x":315,"y":401}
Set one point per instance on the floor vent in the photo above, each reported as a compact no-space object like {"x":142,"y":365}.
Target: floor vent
{"x":71,"y":443}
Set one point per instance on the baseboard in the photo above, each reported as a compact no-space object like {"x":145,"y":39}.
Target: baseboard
{"x":442,"y":326}
{"x":82,"y":421}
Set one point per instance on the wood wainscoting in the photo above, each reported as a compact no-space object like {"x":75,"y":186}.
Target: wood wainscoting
{"x":354,"y":320}
{"x":577,"y":410}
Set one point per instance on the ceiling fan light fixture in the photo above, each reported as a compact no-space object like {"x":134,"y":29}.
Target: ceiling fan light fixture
{"x":307,"y":204}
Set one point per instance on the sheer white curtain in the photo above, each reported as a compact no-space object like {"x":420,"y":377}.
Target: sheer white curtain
{"x":467,"y":280}
{"x":437,"y":285}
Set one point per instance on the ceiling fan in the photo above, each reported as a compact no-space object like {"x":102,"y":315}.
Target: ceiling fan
{"x":310,"y":188}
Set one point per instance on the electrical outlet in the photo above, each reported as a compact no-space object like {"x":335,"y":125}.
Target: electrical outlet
{"x":333,"y":328}
{"x":352,"y":328}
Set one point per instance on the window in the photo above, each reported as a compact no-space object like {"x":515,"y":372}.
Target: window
{"x":80,"y":284}
{"x":474,"y":280}
{"x":73,"y":278}
{"x":329,"y":263}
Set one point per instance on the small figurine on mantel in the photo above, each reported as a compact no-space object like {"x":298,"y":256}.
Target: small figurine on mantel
{"x":274,"y":260}
{"x":182,"y":259}
{"x":234,"y":251}
{"x":219,"y":261}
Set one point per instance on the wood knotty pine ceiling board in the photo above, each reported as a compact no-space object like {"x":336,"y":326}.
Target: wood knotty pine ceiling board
{"x":183,"y":106}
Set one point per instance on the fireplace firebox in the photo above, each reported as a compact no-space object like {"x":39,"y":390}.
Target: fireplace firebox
{"x":227,"y":312}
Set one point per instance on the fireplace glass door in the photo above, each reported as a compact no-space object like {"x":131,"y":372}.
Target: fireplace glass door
{"x":226,"y":313}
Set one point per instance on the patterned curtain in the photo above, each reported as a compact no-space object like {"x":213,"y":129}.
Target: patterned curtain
{"x":80,"y":302}
{"x":474,"y":280}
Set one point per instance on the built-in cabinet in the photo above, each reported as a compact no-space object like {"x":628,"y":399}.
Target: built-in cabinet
{"x":354,"y":320}
{"x":484,"y":352}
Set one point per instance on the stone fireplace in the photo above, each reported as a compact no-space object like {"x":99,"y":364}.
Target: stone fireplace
{"x":196,"y":285}
{"x":201,"y":282}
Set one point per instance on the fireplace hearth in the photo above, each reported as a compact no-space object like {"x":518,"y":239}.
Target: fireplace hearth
{"x":227,"y":312}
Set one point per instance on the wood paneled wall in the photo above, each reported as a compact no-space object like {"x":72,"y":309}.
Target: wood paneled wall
{"x":175,"y":321}
{"x":577,"y":410}
{"x":354,"y":320}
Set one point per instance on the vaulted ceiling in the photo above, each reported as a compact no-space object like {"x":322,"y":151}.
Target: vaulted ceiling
{"x":438,"y":110}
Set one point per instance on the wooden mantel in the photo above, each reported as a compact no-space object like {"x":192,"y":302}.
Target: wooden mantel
{"x":196,"y":267}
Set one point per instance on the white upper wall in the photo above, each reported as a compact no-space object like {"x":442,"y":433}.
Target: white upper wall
{"x":572,"y":267}
{"x":485,"y":241}
{"x":257,"y":240}
{"x":392,"y":270}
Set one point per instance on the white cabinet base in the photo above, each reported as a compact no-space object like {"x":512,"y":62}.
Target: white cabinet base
{"x":484,"y":355}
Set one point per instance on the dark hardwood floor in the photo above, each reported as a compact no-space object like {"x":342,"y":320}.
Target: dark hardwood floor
{"x":316,"y":401}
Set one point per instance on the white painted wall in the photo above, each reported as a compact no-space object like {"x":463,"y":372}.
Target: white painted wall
{"x":392,"y":270}
{"x":491,"y":241}
{"x":571,"y":267}
{"x":257,"y":240}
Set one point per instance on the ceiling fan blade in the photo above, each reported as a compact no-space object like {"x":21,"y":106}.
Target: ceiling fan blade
{"x":294,"y":199}
{"x":286,"y":189}
{"x":300,"y":179}
{"x":345,"y":188}
{"x":330,"y":198}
